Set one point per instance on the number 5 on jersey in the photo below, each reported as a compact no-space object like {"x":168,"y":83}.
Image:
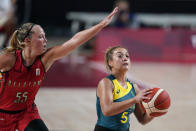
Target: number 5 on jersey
{"x":124,"y":117}
{"x":21,"y":97}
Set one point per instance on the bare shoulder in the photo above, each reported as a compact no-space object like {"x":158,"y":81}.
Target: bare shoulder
{"x":48,"y":53}
{"x":52,"y":53}
{"x":7,"y":56}
{"x":105,"y":82}
{"x":7,"y":60}
{"x":104,"y":85}
{"x":47,"y":57}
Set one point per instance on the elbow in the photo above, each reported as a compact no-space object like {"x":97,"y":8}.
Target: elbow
{"x":76,"y":35}
{"x":78,"y":39}
{"x":106,"y":112}
{"x":143,"y":122}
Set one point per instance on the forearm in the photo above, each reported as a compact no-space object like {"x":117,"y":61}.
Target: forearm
{"x":117,"y":107}
{"x":60,"y":51}
{"x":78,"y":39}
{"x":142,"y":116}
{"x":83,"y":36}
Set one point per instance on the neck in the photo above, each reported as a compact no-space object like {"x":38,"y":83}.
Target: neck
{"x":28,"y":57}
{"x":120,"y":76}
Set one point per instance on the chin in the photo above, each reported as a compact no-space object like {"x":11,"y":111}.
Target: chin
{"x":124,"y":69}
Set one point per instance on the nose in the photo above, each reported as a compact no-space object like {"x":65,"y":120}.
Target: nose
{"x":125,"y":58}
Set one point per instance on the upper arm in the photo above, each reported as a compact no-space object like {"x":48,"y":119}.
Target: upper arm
{"x":57,"y":52}
{"x":60,"y":51}
{"x":7,"y":60}
{"x":104,"y":92}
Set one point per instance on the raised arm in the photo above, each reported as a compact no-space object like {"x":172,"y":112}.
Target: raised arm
{"x":58,"y":52}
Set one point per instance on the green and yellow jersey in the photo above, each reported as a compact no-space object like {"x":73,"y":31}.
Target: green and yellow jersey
{"x":119,"y":122}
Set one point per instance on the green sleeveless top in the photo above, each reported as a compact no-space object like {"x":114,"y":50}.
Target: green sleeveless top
{"x":119,"y":122}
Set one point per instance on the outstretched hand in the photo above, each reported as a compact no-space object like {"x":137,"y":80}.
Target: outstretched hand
{"x":108,"y":19}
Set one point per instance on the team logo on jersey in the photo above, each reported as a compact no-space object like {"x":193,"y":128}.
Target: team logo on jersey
{"x":37,"y":72}
{"x":118,"y":91}
{"x":1,"y":77}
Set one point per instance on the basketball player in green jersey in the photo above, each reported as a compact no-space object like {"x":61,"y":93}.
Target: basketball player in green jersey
{"x":117,"y":97}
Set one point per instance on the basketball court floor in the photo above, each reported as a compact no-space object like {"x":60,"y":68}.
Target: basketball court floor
{"x":74,"y":109}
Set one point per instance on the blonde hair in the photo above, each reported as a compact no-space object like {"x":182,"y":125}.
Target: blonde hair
{"x":109,"y":56}
{"x":17,"y":40}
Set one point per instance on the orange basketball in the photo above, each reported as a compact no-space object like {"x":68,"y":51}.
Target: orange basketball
{"x":158,"y":103}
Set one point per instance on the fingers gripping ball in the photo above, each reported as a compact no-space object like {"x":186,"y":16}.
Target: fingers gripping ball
{"x":158,"y":103}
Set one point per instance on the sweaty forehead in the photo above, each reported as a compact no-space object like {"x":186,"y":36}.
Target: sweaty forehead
{"x":120,"y":51}
{"x":38,"y":29}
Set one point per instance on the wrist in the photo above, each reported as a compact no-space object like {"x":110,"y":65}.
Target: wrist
{"x":135,"y":100}
{"x":102,"y":24}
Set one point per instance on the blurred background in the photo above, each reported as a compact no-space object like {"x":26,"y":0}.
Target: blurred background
{"x":159,"y":34}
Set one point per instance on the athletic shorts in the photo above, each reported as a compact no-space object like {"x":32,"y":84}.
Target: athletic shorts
{"x":12,"y":121}
{"x":101,"y":128}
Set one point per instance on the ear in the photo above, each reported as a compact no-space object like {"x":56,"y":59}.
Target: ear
{"x":110,"y":63}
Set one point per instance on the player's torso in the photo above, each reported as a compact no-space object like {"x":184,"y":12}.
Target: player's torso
{"x":20,"y":85}
{"x":120,"y":121}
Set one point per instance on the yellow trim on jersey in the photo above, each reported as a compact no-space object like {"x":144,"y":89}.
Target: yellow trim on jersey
{"x":119,"y":91}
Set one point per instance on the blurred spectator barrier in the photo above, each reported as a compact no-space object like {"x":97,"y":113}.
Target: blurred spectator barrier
{"x":156,"y":45}
{"x":88,"y":18}
{"x":144,"y":45}
{"x":166,"y":21}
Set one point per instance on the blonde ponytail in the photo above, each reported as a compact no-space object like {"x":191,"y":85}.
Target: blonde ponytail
{"x":17,"y":40}
{"x":14,"y":43}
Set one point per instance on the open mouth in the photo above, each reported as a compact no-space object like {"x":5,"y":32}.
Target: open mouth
{"x":125,"y":64}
